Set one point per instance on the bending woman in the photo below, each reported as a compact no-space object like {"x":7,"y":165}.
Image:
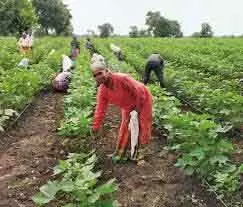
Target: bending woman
{"x":123,"y":91}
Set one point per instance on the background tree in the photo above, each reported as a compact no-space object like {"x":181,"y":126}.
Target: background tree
{"x":134,"y":31}
{"x":175,"y":28}
{"x":91,"y":32}
{"x":144,"y":33}
{"x":16,"y":16}
{"x":53,"y":15}
{"x":106,"y":30}
{"x":206,"y":30}
{"x":162,"y":27}
{"x":196,"y":34}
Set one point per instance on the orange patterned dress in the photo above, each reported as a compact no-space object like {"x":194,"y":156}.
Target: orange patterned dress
{"x":129,"y":95}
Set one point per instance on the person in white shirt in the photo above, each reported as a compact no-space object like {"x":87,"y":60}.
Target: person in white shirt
{"x":117,"y":52}
{"x":67,"y":63}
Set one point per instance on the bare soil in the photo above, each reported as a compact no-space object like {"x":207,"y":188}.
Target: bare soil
{"x":154,"y":181}
{"x":27,"y":158}
{"x":29,"y":153}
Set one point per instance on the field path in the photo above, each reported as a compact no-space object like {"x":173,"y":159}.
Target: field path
{"x":26,"y":158}
{"x":156,"y":182}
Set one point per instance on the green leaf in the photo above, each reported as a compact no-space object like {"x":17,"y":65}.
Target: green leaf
{"x":1,"y":129}
{"x":224,"y":129}
{"x":241,"y":168}
{"x":50,"y":189}
{"x":199,"y":153}
{"x":41,"y":199}
{"x":67,"y":186}
{"x":93,"y":198}
{"x":189,"y":170}
{"x":9,"y":112}
{"x":108,"y":187}
{"x":70,"y":205}
{"x":219,"y":158}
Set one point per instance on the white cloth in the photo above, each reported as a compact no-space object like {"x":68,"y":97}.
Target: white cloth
{"x":24,"y":63}
{"x":134,"y":128}
{"x":66,"y":63}
{"x":98,"y":65}
{"x":114,"y":48}
{"x":96,"y":57}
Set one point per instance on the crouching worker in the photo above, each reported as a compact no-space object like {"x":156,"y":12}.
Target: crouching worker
{"x":60,"y":82}
{"x":75,"y":47}
{"x":89,"y":46}
{"x":154,"y":63}
{"x":130,"y":95}
{"x":117,"y":52}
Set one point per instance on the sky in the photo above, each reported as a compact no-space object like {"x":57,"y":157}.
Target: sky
{"x":225,"y":16}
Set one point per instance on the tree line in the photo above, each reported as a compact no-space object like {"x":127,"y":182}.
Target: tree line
{"x":53,"y":16}
{"x":158,"y":26}
{"x":44,"y":15}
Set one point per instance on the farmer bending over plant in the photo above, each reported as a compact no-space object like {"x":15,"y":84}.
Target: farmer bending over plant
{"x":117,"y":52}
{"x":75,"y":47}
{"x":130,"y":95}
{"x":89,"y":46}
{"x":154,"y":63}
{"x":60,"y":81}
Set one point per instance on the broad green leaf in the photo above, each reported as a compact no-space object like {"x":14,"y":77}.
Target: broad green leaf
{"x":41,"y":199}
{"x":108,"y":187}
{"x":50,"y":189}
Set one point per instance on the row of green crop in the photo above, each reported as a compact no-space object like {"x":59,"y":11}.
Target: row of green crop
{"x":18,"y":86}
{"x":9,"y":54}
{"x":210,"y":55}
{"x":79,"y":182}
{"x":228,"y":82}
{"x":213,"y":98}
{"x":199,"y":140}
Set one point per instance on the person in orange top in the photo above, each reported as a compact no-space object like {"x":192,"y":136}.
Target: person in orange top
{"x":23,"y":44}
{"x":123,"y":91}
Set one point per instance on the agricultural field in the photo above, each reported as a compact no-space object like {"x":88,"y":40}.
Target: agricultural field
{"x":196,"y":154}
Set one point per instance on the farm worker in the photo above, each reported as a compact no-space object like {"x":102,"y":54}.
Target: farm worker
{"x":23,"y":43}
{"x":67,"y":63}
{"x":96,"y":57}
{"x":89,"y":46}
{"x":117,"y":51}
{"x":61,"y":81}
{"x":130,"y":95}
{"x":30,"y":39}
{"x":75,"y":47}
{"x":154,"y":63}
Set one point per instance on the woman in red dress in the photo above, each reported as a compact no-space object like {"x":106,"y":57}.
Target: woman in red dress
{"x":123,"y":91}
